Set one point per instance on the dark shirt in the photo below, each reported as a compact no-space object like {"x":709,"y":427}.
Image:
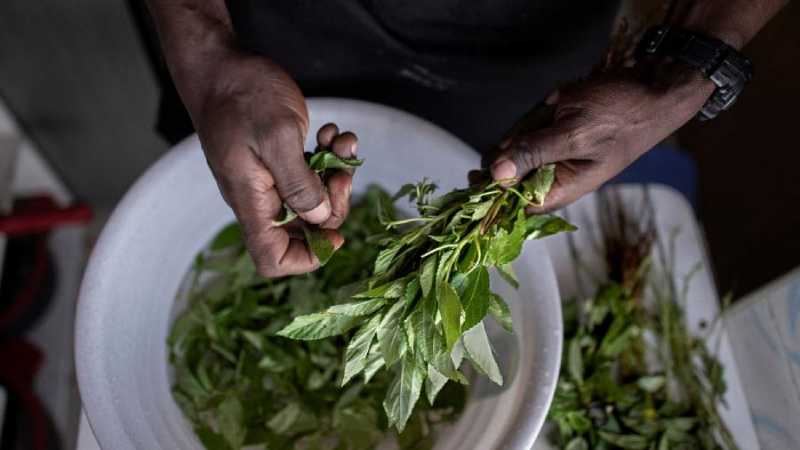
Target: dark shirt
{"x":471,"y":66}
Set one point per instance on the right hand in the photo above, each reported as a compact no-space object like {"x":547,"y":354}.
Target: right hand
{"x":252,"y":121}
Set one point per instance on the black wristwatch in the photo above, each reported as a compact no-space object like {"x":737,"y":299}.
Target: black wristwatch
{"x":721,"y":63}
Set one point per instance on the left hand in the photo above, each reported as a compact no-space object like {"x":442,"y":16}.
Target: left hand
{"x":595,"y":128}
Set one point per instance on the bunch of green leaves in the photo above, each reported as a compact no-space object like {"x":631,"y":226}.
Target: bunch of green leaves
{"x":632,"y":375}
{"x":324,"y":163}
{"x":421,"y":310}
{"x":239,"y":383}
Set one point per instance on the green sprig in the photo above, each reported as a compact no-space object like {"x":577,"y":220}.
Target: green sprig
{"x":432,"y":279}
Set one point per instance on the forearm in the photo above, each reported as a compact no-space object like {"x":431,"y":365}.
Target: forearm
{"x":735,"y":22}
{"x":194,"y":34}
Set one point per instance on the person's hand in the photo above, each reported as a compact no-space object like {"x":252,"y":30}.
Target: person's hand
{"x":595,"y":128}
{"x":252,"y":122}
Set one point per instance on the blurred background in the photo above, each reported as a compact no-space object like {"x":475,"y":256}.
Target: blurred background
{"x":81,"y":84}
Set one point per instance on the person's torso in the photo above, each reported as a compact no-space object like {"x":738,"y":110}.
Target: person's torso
{"x":472,"y":66}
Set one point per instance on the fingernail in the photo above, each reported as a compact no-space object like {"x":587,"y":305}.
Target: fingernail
{"x":504,"y":169}
{"x":552,"y":99}
{"x":319,"y":214}
{"x":354,"y":149}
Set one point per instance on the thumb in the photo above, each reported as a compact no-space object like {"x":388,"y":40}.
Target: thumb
{"x":301,"y":189}
{"x":527,"y":152}
{"x":297,"y":185}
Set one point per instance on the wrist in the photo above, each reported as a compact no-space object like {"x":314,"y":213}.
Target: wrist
{"x":734,"y":22}
{"x":196,"y":36}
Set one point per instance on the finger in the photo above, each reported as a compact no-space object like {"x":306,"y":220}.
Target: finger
{"x":299,"y":259}
{"x":528,"y":152}
{"x":345,"y":145}
{"x":553,"y":98}
{"x":250,"y":190}
{"x":340,"y":186}
{"x":573,"y":180}
{"x":540,"y":117}
{"x":476,"y":177}
{"x":326,"y":134}
{"x":298,"y":185}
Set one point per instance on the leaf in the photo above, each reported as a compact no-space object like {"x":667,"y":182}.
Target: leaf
{"x":505,"y":247}
{"x":434,"y":383}
{"x":357,"y":425}
{"x":391,"y":336}
{"x":506,"y":271}
{"x":228,"y":237}
{"x":210,"y":439}
{"x":423,"y":326}
{"x":385,"y":209}
{"x":457,"y":354}
{"x":577,"y":443}
{"x":292,"y":420}
{"x":404,"y":191}
{"x":230,"y":417}
{"x":318,"y":326}
{"x":479,"y":351}
{"x":651,"y":383}
{"x":288,"y":215}
{"x":385,"y":258}
{"x":358,"y":349}
{"x":682,"y":424}
{"x":450,"y":310}
{"x":361,"y":308}
{"x":444,"y":363}
{"x":374,"y":362}
{"x":614,"y":345}
{"x":625,"y":441}
{"x":319,"y":245}
{"x":403,"y":393}
{"x":575,"y":361}
{"x":412,"y":289}
{"x":501,"y":312}
{"x":537,"y":186}
{"x":427,"y":275}
{"x":481,"y":210}
{"x":475,"y":298}
{"x":276,"y":360}
{"x":327,"y":160}
{"x":255,"y":339}
{"x":392,"y":289}
{"x":539,"y":226}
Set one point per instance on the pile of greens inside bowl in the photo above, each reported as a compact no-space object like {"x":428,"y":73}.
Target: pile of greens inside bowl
{"x":241,"y":384}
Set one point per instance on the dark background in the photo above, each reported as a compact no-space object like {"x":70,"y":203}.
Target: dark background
{"x":77,"y":76}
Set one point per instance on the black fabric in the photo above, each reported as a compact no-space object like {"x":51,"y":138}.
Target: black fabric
{"x":470,"y":66}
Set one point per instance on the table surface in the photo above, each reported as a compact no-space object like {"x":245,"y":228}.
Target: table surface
{"x":765,"y":334}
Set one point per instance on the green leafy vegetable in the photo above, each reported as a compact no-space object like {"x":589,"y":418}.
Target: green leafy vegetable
{"x":479,"y":351}
{"x":430,"y":284}
{"x":319,"y":244}
{"x":318,"y":326}
{"x":632,"y":375}
{"x":324,"y":163}
{"x":241,"y":382}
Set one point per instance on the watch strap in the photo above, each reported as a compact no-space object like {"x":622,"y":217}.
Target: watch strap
{"x":728,"y":69}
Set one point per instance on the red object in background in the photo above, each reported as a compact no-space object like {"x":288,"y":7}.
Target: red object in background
{"x":31,"y":219}
{"x":39,"y":214}
{"x":24,"y":293}
{"x":28,"y":419}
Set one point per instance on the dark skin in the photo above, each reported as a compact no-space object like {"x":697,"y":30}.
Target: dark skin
{"x":252,"y":121}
